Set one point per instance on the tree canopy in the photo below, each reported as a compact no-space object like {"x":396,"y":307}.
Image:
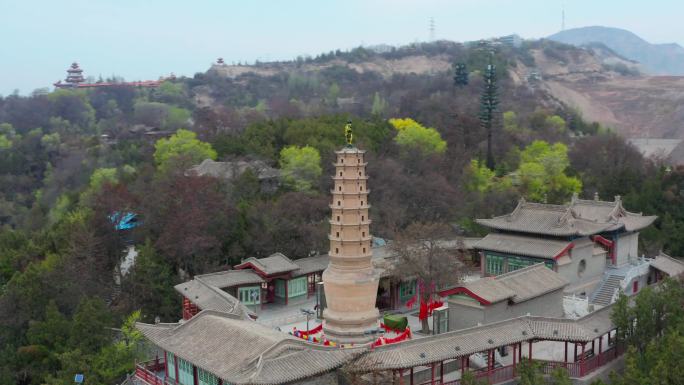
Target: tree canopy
{"x":412,"y":135}
{"x":181,"y":149}
{"x":301,"y":167}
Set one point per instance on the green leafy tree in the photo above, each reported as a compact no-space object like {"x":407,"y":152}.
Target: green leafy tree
{"x":541,"y":174}
{"x":333,"y":94}
{"x":560,"y":376}
{"x":150,"y":285}
{"x":301,"y":167}
{"x":460,"y":75}
{"x":530,"y":373}
{"x":555,"y":123}
{"x":414,"y":136}
{"x":88,"y":330}
{"x":469,"y":378}
{"x":489,"y":102}
{"x":480,"y":177}
{"x":181,"y":150}
{"x":5,"y":143}
{"x":379,"y":107}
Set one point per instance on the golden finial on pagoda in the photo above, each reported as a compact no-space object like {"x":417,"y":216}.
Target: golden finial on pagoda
{"x":348,"y":133}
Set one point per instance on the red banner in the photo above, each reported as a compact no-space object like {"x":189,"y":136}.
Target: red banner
{"x":386,"y":341}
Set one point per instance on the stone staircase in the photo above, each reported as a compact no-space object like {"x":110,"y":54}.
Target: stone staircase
{"x":604,"y":295}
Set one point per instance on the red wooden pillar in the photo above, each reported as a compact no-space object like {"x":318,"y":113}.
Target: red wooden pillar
{"x":530,"y":342}
{"x":175,"y":366}
{"x":566,"y":353}
{"x":600,"y":348}
{"x":432,"y":374}
{"x":582,"y":361}
{"x":441,"y":372}
{"x":520,"y":352}
{"x":411,"y":376}
{"x":401,"y":376}
{"x":514,"y":357}
{"x":166,"y":365}
{"x":574,"y":359}
{"x":194,"y":374}
{"x":463,"y":366}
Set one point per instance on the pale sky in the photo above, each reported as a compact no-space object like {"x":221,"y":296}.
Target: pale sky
{"x":145,"y":39}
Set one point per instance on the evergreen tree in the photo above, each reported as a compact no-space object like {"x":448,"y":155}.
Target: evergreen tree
{"x":460,"y":75}
{"x":488,"y":104}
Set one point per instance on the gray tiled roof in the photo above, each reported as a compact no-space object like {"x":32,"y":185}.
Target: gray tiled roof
{"x":208,"y":297}
{"x":518,"y":286}
{"x":671,"y":266}
{"x":232,"y":170}
{"x":464,"y":342}
{"x":274,"y":264}
{"x":311,"y":264}
{"x":245,"y":352}
{"x":522,"y":245}
{"x":578,"y":218}
{"x":228,"y":278}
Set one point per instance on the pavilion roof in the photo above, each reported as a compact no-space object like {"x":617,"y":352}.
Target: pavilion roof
{"x":228,"y":278}
{"x":451,"y":345}
{"x":668,"y":265}
{"x":208,"y":297}
{"x":517,"y":286}
{"x":244,"y":352}
{"x":529,"y":246}
{"x":578,"y":218}
{"x":276,"y":263}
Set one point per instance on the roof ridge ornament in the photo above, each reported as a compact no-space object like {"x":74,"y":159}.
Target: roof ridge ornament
{"x":349,"y":136}
{"x":521,"y":203}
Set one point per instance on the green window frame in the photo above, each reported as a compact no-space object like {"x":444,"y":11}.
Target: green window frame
{"x":280,"y":288}
{"x":171,"y":365}
{"x":407,"y":288}
{"x":206,"y":377}
{"x":517,"y":263}
{"x":250,"y":295}
{"x":185,"y":372}
{"x":296,"y":287}
{"x":494,"y":264}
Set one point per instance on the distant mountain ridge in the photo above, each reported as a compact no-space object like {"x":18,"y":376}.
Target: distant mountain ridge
{"x":657,"y":59}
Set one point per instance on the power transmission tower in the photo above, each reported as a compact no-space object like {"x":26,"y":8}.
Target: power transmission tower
{"x":562,"y":16}
{"x":432,"y":29}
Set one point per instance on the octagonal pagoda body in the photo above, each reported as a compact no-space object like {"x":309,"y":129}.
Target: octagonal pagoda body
{"x":350,"y":281}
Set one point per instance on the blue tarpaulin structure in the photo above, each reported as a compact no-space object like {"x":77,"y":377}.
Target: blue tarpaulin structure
{"x":125,"y":220}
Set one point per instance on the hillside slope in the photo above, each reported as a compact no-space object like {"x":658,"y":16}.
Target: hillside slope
{"x":636,"y":106}
{"x":657,"y":59}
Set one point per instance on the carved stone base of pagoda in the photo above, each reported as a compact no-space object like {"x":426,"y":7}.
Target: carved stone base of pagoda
{"x":350,"y":329}
{"x":351,"y":311}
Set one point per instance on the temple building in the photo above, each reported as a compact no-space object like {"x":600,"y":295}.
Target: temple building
{"x":581,"y":241}
{"x":533,"y":258}
{"x":75,"y":79}
{"x":534,"y":290}
{"x":350,"y":281}
{"x":74,"y":76}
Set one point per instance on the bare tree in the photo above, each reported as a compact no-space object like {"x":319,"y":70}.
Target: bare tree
{"x":421,"y":253}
